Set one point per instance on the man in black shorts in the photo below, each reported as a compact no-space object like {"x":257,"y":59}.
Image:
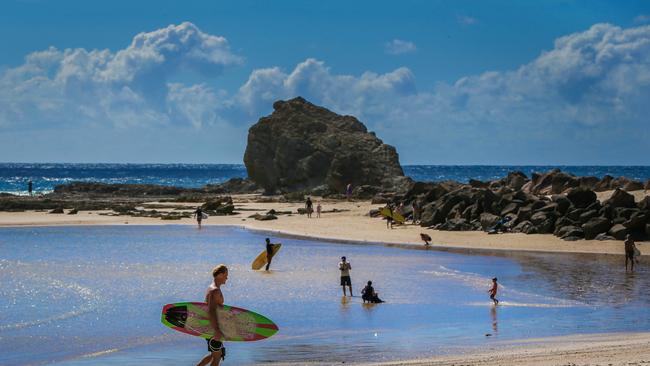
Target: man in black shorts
{"x":345,"y":267}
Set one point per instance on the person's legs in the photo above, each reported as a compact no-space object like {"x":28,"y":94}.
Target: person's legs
{"x":268,"y":262}
{"x":205,"y":360}
{"x":216,"y":358}
{"x":350,"y":287}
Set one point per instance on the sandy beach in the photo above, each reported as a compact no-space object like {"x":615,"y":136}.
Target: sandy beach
{"x":350,"y":222}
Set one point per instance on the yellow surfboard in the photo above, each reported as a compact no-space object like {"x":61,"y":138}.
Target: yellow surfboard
{"x":395,"y":216}
{"x":261,"y":259}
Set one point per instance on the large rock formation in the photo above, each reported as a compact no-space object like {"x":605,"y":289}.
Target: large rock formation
{"x":301,"y":146}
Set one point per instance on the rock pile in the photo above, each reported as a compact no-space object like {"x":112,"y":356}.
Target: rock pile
{"x":552,"y":203}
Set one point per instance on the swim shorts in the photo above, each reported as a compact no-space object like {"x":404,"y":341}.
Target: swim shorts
{"x":346,"y":281}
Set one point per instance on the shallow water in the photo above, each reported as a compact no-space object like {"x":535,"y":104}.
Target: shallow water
{"x":93,"y":296}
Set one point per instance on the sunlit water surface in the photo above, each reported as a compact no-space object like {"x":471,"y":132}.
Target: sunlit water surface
{"x":93,"y":296}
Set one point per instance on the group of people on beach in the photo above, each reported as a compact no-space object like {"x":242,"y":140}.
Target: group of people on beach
{"x":368,"y":294}
{"x":309,"y":208}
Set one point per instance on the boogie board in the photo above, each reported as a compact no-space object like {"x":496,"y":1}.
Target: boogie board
{"x":236,"y":324}
{"x":385,"y":212}
{"x":261,"y":260}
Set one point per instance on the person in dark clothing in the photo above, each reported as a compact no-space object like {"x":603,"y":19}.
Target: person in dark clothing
{"x":269,"y":253}
{"x":30,"y":187}
{"x":199,"y":216}
{"x":309,"y":206}
{"x":630,"y":251}
{"x":368,"y":294}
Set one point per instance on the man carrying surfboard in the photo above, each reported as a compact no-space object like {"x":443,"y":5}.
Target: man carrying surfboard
{"x":269,"y":253}
{"x":345,"y":267}
{"x":214,"y":298}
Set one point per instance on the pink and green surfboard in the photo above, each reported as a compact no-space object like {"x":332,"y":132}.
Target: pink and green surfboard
{"x":236,"y":324}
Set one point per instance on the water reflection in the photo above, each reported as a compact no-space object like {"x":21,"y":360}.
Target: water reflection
{"x":91,"y":290}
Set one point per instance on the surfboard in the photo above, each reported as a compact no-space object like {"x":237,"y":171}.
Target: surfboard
{"x":261,"y":260}
{"x":637,"y":252}
{"x":385,"y":212}
{"x":236,"y":324}
{"x":204,"y":216}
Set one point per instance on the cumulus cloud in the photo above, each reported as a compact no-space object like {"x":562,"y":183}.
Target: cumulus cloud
{"x":590,"y":90}
{"x":398,"y":47}
{"x":129,"y":87}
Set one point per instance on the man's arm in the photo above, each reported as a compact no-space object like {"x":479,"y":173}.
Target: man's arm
{"x":214,"y":300}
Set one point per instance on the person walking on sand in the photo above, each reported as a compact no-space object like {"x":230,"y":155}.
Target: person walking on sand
{"x":348,"y":191}
{"x":214,"y":298}
{"x":345,"y":267}
{"x":30,"y":187}
{"x":389,"y":218}
{"x":269,"y":253}
{"x":319,"y":208}
{"x":309,"y":206}
{"x":493,"y":291}
{"x":630,"y":252}
{"x":199,"y":215}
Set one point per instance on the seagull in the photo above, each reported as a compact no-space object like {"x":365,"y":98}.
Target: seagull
{"x":426,"y":238}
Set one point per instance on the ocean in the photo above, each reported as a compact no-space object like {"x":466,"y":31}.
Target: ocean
{"x":45,"y":176}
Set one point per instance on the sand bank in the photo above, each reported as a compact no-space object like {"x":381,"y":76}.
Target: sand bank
{"x":350,"y":224}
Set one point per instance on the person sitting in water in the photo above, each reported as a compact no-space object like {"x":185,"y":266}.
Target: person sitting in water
{"x":368,"y":294}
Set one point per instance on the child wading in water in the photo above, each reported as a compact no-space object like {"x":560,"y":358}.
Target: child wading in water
{"x":493,"y":291}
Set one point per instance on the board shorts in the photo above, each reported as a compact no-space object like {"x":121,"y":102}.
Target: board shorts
{"x":493,"y":296}
{"x":214,"y":346}
{"x":629,"y":255}
{"x":346,"y":281}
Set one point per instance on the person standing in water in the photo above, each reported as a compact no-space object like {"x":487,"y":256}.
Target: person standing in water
{"x":30,"y":187}
{"x":630,"y":251}
{"x":214,"y":298}
{"x":199,"y":215}
{"x":493,"y":291}
{"x":345,"y":267}
{"x":269,"y":253}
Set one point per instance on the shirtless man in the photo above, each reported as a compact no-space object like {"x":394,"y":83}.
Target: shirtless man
{"x":493,"y":291}
{"x":214,"y":298}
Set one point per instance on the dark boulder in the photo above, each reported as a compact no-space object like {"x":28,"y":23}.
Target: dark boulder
{"x":570,"y":231}
{"x":525,"y":227}
{"x":596,"y":226}
{"x":301,"y":146}
{"x":620,"y":198}
{"x":581,"y":197}
{"x":588,"y":215}
{"x":458,"y":224}
{"x":516,"y":180}
{"x":637,"y":221}
{"x":488,"y":220}
{"x":563,"y":203}
{"x":618,"y":232}
{"x":543,"y":221}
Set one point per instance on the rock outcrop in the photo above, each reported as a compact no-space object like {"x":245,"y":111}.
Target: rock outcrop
{"x":301,"y":146}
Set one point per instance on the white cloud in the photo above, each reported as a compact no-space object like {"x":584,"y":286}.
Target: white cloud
{"x":643,"y":18}
{"x":589,"y":92}
{"x":129,"y":87}
{"x":398,"y":47}
{"x":466,"y":20}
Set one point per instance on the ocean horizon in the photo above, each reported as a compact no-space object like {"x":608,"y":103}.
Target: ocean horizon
{"x":45,"y":176}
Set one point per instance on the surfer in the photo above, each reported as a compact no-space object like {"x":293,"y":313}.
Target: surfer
{"x":368,"y":294}
{"x":214,"y":298}
{"x":630,"y":251}
{"x":309,"y":206}
{"x":269,"y":253}
{"x":493,"y":291}
{"x":345,"y":267}
{"x":30,"y":187}
{"x":199,"y":215}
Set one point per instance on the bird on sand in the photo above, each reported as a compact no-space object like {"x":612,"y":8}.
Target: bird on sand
{"x":426,"y":238}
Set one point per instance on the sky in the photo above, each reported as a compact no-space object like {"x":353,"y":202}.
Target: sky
{"x":554,"y":82}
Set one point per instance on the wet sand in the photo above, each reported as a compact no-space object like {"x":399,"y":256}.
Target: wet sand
{"x":356,"y":225}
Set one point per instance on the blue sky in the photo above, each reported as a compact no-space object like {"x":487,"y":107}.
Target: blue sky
{"x":446,"y":82}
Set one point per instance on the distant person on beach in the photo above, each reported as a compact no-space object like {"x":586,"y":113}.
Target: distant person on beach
{"x":348,"y":191}
{"x":630,"y":252}
{"x":309,"y":206}
{"x":319,"y":208}
{"x":269,"y":253}
{"x":214,"y":298}
{"x":368,"y":294}
{"x":199,"y":215}
{"x":416,"y":212}
{"x":345,"y":267}
{"x":493,"y":291}
{"x":30,"y":187}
